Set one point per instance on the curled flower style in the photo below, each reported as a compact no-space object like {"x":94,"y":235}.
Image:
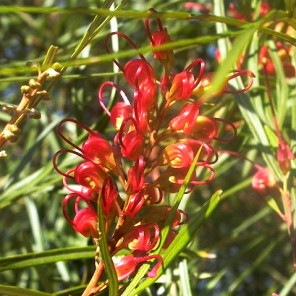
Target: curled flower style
{"x":239,"y":73}
{"x":85,"y":192}
{"x":122,"y":95}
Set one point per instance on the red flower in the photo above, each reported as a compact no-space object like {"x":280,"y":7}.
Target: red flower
{"x":84,"y":191}
{"x":138,"y":71}
{"x":182,"y":153}
{"x":185,"y":82}
{"x":135,"y":176}
{"x":99,"y":150}
{"x":140,"y":237}
{"x":128,"y":264}
{"x":109,"y":196}
{"x":120,"y":112}
{"x":135,"y":203}
{"x":263,"y":180}
{"x":158,"y":38}
{"x":85,"y":220}
{"x":90,"y":175}
{"x":186,"y":119}
{"x":132,"y":142}
{"x":205,"y":128}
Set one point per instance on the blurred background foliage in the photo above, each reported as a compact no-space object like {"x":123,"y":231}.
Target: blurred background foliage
{"x":242,"y":250}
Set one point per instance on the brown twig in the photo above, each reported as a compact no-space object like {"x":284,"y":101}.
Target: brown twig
{"x":32,"y":94}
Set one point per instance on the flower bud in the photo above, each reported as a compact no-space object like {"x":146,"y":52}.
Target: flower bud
{"x":85,"y":222}
{"x":263,"y":180}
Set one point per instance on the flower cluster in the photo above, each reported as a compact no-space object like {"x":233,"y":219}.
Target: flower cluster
{"x":159,"y":131}
{"x":263,"y":180}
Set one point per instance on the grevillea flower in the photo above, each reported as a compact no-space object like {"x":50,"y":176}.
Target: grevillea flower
{"x":285,"y":56}
{"x":158,"y":38}
{"x":263,"y":181}
{"x":205,"y":128}
{"x":128,"y":264}
{"x":135,"y":176}
{"x":182,"y":153}
{"x":132,"y":142}
{"x":134,"y":203}
{"x":137,"y":72}
{"x":98,"y":150}
{"x":142,"y":237}
{"x":149,"y":156}
{"x":185,"y":82}
{"x":185,"y":121}
{"x":85,"y":220}
{"x":109,"y":195}
{"x":90,"y":175}
{"x":120,"y":112}
{"x":84,"y":191}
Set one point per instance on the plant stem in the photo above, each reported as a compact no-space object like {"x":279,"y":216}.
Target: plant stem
{"x":93,"y":283}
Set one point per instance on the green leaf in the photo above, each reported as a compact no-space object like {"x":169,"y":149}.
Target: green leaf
{"x":105,"y":254}
{"x":273,"y":205}
{"x":282,"y":89}
{"x":14,"y":291}
{"x":46,"y":257}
